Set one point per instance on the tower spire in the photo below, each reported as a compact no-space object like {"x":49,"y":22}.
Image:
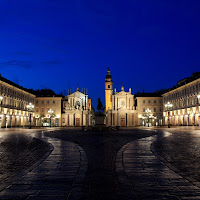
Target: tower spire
{"x":108,"y":76}
{"x":108,"y":90}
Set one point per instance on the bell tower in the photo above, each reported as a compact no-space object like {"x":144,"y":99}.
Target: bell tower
{"x":108,"y":90}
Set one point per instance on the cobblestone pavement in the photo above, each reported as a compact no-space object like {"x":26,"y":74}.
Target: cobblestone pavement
{"x":144,"y":176}
{"x":59,"y":176}
{"x":141,"y":164}
{"x":18,"y":151}
{"x":101,"y":148}
{"x":181,"y":149}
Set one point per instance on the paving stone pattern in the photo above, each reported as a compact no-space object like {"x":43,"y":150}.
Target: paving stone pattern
{"x":181,"y":149}
{"x":102,"y":166}
{"x":18,"y":151}
{"x":60,"y":176}
{"x":101,"y":182}
{"x":145,"y":177}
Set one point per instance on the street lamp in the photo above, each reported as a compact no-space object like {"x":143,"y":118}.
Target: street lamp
{"x":148,"y":113}
{"x":198,"y":97}
{"x":1,"y":99}
{"x":168,"y":105}
{"x":50,"y":114}
{"x":30,"y":108}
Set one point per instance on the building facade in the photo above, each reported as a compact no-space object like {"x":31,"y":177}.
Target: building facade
{"x":150,"y":109}
{"x":77,"y":110}
{"x":120,"y":109}
{"x":48,"y":111}
{"x":14,"y":100}
{"x":182,"y":104}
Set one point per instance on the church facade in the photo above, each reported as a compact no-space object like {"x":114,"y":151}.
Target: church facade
{"x":77,"y":110}
{"x":120,"y":106}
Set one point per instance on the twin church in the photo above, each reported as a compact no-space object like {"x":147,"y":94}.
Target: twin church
{"x":20,"y":107}
{"x":121,"y":108}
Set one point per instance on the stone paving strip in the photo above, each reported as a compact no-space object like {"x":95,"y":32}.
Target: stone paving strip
{"x":58,"y":175}
{"x":143,"y":176}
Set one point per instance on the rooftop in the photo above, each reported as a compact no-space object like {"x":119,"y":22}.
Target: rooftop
{"x":148,"y":94}
{"x":16,"y":85}
{"x":184,"y":81}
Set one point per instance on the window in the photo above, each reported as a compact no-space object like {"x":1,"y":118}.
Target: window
{"x":143,"y":101}
{"x":36,"y":109}
{"x":42,"y":109}
{"x":42,"y":102}
{"x":154,"y":109}
{"x":36,"y":102}
{"x":160,"y":109}
{"x":53,"y":102}
{"x":143,"y":109}
{"x":47,"y":102}
{"x":154,"y":101}
{"x":149,"y":101}
{"x":108,"y":86}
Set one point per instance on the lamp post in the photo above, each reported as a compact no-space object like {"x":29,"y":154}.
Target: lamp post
{"x":168,"y":105}
{"x":148,"y":114}
{"x":198,"y":97}
{"x":82,"y":111}
{"x":1,"y":99}
{"x":50,"y":114}
{"x":30,"y":108}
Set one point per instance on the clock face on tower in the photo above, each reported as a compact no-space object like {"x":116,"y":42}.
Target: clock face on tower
{"x":122,"y":103}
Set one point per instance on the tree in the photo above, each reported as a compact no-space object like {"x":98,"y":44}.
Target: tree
{"x":100,"y":105}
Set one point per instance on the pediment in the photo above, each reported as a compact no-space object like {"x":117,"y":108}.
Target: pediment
{"x":76,"y":94}
{"x":123,"y":93}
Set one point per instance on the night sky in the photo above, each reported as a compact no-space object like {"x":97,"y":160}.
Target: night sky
{"x":59,"y":44}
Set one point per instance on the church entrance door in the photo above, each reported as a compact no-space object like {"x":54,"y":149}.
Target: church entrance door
{"x":77,"y":121}
{"x":122,"y":121}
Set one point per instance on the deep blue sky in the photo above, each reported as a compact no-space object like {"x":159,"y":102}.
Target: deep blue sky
{"x":57,"y":44}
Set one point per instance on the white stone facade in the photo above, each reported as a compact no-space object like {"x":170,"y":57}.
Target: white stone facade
{"x":123,"y":112}
{"x":77,"y":110}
